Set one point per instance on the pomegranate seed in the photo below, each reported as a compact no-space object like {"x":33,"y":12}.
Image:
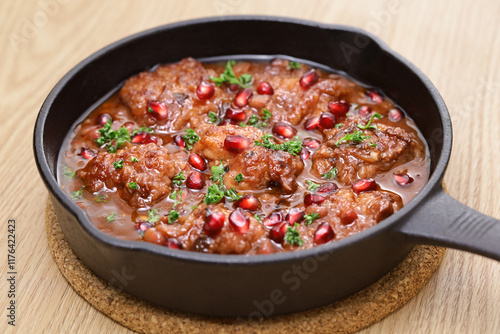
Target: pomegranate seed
{"x":311,"y":143}
{"x":273,"y":219}
{"x":233,"y":87}
{"x":236,"y":143}
{"x":265,"y":88}
{"x":308,"y":79}
{"x":339,"y":108}
{"x":277,"y":233}
{"x":129,"y":126}
{"x":364,"y":111}
{"x":214,"y":223}
{"x":103,"y":118}
{"x":327,"y":188}
{"x":327,"y":120}
{"x":374,"y":96}
{"x":195,"y":181}
{"x":197,"y":162}
{"x":284,"y":130}
{"x":402,"y":179}
{"x":239,"y":221}
{"x":305,"y":153}
{"x":179,"y":141}
{"x":142,"y":226}
{"x":154,"y":236}
{"x":312,"y":123}
{"x":157,"y":109}
{"x":87,"y":153}
{"x":205,"y":90}
{"x":225,"y":122}
{"x":173,"y":243}
{"x":295,"y":215}
{"x":348,"y":217}
{"x":242,"y":98}
{"x":313,"y":199}
{"x":247,"y":202}
{"x":141,"y":138}
{"x":395,"y":115}
{"x":364,"y":185}
{"x":236,"y":115}
{"x":324,"y":233}
{"x":151,"y":139}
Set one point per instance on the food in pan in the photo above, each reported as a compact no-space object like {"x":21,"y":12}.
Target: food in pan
{"x":242,"y":157}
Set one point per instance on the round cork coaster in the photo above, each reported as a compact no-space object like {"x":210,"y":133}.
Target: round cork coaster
{"x":345,"y":316}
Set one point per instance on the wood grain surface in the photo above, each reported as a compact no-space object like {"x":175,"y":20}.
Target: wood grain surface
{"x":456,"y":43}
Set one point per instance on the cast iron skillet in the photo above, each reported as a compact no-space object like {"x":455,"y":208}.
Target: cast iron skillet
{"x":261,"y":285}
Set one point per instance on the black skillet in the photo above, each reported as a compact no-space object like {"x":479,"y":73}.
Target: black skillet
{"x":261,"y":285}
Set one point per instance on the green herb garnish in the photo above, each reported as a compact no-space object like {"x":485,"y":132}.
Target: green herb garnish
{"x":369,"y":124}
{"x":356,"y":137}
{"x":142,"y":129}
{"x":111,"y":217}
{"x":179,"y":179}
{"x":153,"y":216}
{"x":311,"y":186}
{"x":331,"y":174}
{"x":229,"y":77}
{"x":339,"y":125}
{"x":134,"y":159}
{"x":266,"y":116}
{"x":310,"y":218}
{"x":190,"y":138}
{"x":110,"y":136}
{"x":293,"y":65}
{"x":68,"y":173}
{"x":101,"y":198}
{"x":118,"y":164}
{"x":292,"y":236}
{"x":176,"y":196}
{"x":232,"y":195}
{"x":217,"y":171}
{"x":77,"y":194}
{"x":212,"y":118}
{"x":173,"y":216}
{"x":133,"y":185}
{"x":292,"y":146}
{"x":214,"y":194}
{"x":258,"y":218}
{"x":254,"y":120}
{"x":238,"y":178}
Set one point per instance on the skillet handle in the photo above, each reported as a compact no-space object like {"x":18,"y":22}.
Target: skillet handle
{"x":443,"y":221}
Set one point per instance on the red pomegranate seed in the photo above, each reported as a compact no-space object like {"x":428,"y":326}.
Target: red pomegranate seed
{"x":142,"y":226}
{"x":277,"y":233}
{"x":129,"y":126}
{"x":339,"y":108}
{"x":308,"y":79}
{"x":179,"y":141}
{"x":236,"y":115}
{"x":214,"y":223}
{"x":395,"y":115}
{"x":305,"y":153}
{"x":247,"y":202}
{"x":273,"y":219}
{"x":87,"y":153}
{"x":310,"y":199}
{"x":327,"y":188}
{"x":265,"y":88}
{"x":348,"y":217}
{"x":312,"y":123}
{"x":402,"y":179}
{"x":311,"y":143}
{"x":327,"y":120}
{"x":225,"y":122}
{"x":141,"y":138}
{"x":173,"y":243}
{"x":154,"y":236}
{"x":197,"y":161}
{"x":103,"y":118}
{"x":239,"y":221}
{"x":324,"y":233}
{"x":233,"y":87}
{"x":295,"y":215}
{"x":364,"y":111}
{"x":242,"y":98}
{"x":374,"y":96}
{"x":284,"y":130}
{"x":151,"y":139}
{"x":205,"y":90}
{"x":157,"y":109}
{"x":236,"y":143}
{"x":195,"y":181}
{"x":364,"y":185}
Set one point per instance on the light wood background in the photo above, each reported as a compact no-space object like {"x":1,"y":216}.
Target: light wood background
{"x":456,"y":43}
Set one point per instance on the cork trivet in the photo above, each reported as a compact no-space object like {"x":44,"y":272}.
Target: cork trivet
{"x":345,"y":316}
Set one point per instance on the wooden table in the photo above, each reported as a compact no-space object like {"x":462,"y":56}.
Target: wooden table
{"x":456,"y":43}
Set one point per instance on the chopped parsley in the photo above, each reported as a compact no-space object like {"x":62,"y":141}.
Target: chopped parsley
{"x":214,"y":194}
{"x":293,"y":65}
{"x":176,"y":196}
{"x":310,"y":218}
{"x":232,"y":195}
{"x":292,"y":146}
{"x":68,"y":173}
{"x":311,"y":186}
{"x":190,"y":138}
{"x":217,"y":171}
{"x":254,"y":120}
{"x":238,"y":178}
{"x":118,"y":164}
{"x":331,"y":174}
{"x":212,"y":118}
{"x":153,"y":216}
{"x":133,"y":185}
{"x":339,"y":125}
{"x":179,"y":179}
{"x":134,"y":159}
{"x":229,"y":77}
{"x":292,"y":236}
{"x":110,"y":136}
{"x":101,"y":198}
{"x":142,"y":129}
{"x":258,"y":218}
{"x":372,"y":144}
{"x":111,"y":217}
{"x":173,"y":216}
{"x":266,"y":116}
{"x":77,"y":194}
{"x":369,"y":124}
{"x":356,"y":137}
